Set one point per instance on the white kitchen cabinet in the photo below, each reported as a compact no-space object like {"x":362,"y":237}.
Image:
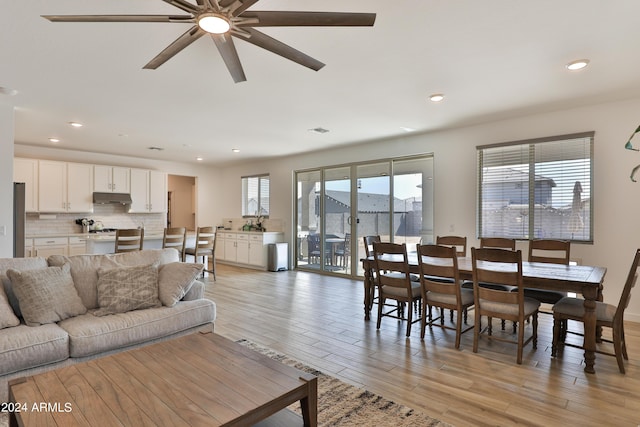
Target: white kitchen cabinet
{"x":148,"y":191}
{"x":220,"y":249}
{"x":246,"y":249}
{"x":47,"y":246}
{"x":28,"y":248}
{"x":111,"y":179}
{"x":65,"y":187}
{"x":26,"y":170}
{"x":77,"y":245}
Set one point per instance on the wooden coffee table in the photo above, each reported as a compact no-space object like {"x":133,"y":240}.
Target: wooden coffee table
{"x":201,"y":379}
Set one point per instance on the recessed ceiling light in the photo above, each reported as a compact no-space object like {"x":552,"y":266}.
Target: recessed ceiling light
{"x":235,"y":150}
{"x":199,"y":159}
{"x":406,"y":129}
{"x":54,"y":140}
{"x":577,"y":65}
{"x":75,"y":124}
{"x":319,"y":130}
{"x":436,"y":97}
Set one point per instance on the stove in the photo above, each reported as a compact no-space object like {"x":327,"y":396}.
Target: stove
{"x":104,"y":230}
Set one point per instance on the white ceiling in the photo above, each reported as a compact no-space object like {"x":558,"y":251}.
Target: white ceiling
{"x":491,"y":58}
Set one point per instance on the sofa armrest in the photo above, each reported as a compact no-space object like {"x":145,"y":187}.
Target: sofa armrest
{"x":196,"y":291}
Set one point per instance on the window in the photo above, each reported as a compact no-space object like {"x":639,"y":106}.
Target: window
{"x":255,"y":195}
{"x":537,"y":188}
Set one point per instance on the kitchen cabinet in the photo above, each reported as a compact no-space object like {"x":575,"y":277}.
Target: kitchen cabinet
{"x":246,"y":249}
{"x":65,"y":187}
{"x":77,"y":245}
{"x":148,"y":191}
{"x":47,"y":246}
{"x":220,"y":249}
{"x":26,"y":170}
{"x":111,"y":179}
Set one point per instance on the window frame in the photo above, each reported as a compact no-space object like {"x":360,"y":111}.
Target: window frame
{"x":245,"y":196}
{"x":529,"y":146}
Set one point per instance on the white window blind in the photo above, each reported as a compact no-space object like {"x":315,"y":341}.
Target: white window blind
{"x":537,"y":188}
{"x":255,"y":195}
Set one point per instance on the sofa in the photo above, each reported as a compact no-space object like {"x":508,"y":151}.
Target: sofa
{"x":62,"y":310}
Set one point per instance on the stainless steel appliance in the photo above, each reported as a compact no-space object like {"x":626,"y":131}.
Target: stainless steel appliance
{"x":19,"y":219}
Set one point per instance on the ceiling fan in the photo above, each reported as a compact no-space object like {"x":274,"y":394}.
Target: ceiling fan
{"x":224,"y":19}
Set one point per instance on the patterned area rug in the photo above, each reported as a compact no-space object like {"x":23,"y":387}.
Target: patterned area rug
{"x":341,"y":404}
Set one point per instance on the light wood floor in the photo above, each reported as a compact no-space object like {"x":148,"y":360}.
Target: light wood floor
{"x":319,"y":320}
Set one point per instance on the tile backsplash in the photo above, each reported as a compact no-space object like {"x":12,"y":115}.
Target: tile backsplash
{"x":270,"y":224}
{"x":111,"y":215}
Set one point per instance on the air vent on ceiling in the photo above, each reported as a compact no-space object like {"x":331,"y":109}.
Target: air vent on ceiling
{"x":319,"y":130}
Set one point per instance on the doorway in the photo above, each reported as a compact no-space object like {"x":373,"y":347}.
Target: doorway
{"x":181,"y":198}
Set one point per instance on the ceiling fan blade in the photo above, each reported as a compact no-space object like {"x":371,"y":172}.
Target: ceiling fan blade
{"x":184,"y":5}
{"x":309,"y":19}
{"x":269,"y":43}
{"x":227,"y":49}
{"x":237,"y":6}
{"x":193,"y":34}
{"x":119,"y":18}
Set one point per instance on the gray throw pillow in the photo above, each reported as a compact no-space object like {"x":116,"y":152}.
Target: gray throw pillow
{"x":128,"y":288}
{"x":175,"y":279}
{"x":46,"y":295}
{"x":7,"y":316}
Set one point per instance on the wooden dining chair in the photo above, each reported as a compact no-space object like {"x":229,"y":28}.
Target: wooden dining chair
{"x":607,"y":315}
{"x":343,"y":252}
{"x":129,"y":239}
{"x":368,"y":244}
{"x":394,"y":282}
{"x":440,"y":286}
{"x":549,"y":251}
{"x":496,"y":243}
{"x":205,"y":247}
{"x":175,"y":237}
{"x":490,"y":265}
{"x":460,"y":243}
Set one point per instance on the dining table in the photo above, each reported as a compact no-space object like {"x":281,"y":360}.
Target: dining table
{"x":580,"y":279}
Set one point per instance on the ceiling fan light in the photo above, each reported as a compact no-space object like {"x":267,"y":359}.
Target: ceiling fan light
{"x":214,"y":23}
{"x":577,"y":65}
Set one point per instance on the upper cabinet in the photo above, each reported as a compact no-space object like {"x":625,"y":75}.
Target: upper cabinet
{"x":65,"y":187}
{"x":111,"y":179}
{"x":148,"y":191}
{"x":26,"y":170}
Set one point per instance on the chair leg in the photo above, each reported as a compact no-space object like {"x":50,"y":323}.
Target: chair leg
{"x":476,"y":330}
{"x":409,"y":319}
{"x":534,"y":324}
{"x":423,"y":319}
{"x":617,"y":348}
{"x":458,"y":328}
{"x":380,"y":304}
{"x":557,"y":333}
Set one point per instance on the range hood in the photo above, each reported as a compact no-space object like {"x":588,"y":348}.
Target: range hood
{"x":104,"y":198}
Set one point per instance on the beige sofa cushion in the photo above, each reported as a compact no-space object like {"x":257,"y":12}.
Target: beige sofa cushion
{"x":89,"y":335}
{"x":84,"y":268}
{"x":21,"y":264}
{"x":25,"y":347}
{"x":127,"y":288}
{"x":46,"y":295}
{"x":7,"y":316}
{"x":175,"y":280}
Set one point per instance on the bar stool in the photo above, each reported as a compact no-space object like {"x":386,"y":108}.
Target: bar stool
{"x":129,"y":239}
{"x":205,"y":246}
{"x":175,"y":237}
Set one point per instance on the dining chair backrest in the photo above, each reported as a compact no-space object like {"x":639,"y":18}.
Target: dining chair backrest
{"x":550,"y":251}
{"x":625,"y":298}
{"x":459,"y":242}
{"x":175,"y":237}
{"x":438,"y":262}
{"x":368,"y":244}
{"x":498,"y":242}
{"x":494,"y":265}
{"x":129,"y":239}
{"x":391,"y":259}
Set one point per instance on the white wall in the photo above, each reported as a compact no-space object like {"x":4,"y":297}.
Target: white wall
{"x":6,"y":178}
{"x":615,"y":197}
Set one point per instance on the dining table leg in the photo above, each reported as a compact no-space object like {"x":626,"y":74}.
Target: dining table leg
{"x":590,"y":334}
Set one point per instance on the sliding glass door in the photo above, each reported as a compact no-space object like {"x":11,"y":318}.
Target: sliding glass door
{"x":337,"y":206}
